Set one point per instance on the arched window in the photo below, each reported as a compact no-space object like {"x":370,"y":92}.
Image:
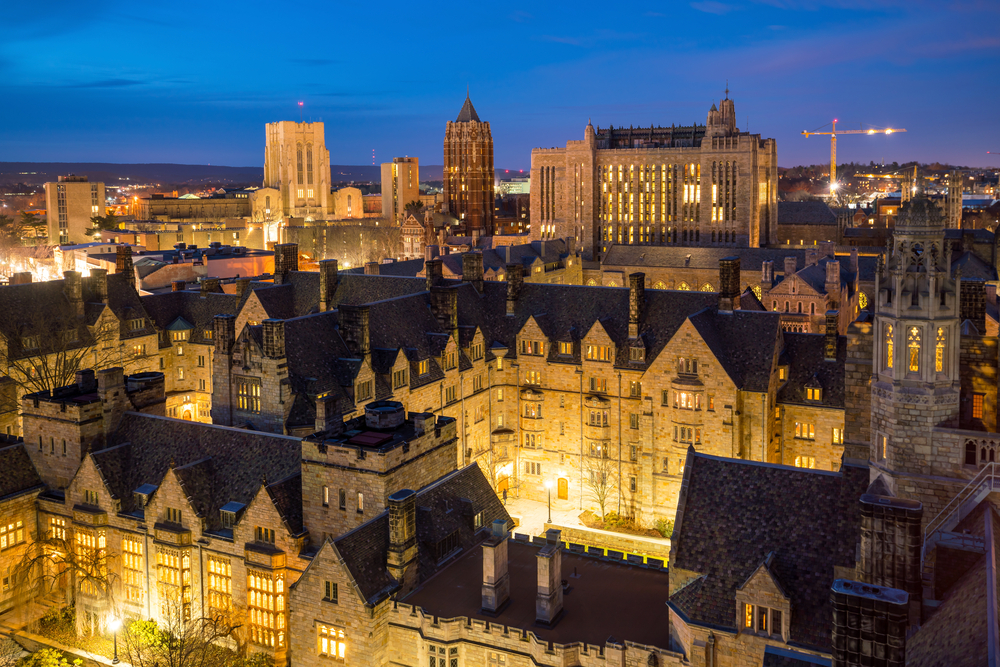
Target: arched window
{"x":298,"y":162}
{"x":786,"y":306}
{"x":774,"y":306}
{"x":683,"y":286}
{"x":939,"y":351}
{"x":888,"y":346}
{"x":812,"y":308}
{"x":913,"y":345}
{"x":800,"y":307}
{"x":659,"y":285}
{"x":862,"y":300}
{"x":707,"y":287}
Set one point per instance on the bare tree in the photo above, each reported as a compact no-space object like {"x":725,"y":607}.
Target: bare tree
{"x":495,"y":455}
{"x":601,"y":480}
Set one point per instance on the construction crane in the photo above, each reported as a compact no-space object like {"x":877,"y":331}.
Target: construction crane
{"x":833,"y":145}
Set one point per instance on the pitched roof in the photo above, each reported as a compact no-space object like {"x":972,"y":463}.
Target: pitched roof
{"x":468,"y":112}
{"x":364,"y":549}
{"x":215,"y":464}
{"x":805,"y":355}
{"x":743,"y":342}
{"x":751,"y":259}
{"x":732,"y":512}
{"x":17,"y":472}
{"x":197,"y":309}
{"x":805,"y":213}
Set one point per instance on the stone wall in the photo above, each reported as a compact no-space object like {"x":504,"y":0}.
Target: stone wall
{"x":608,"y":543}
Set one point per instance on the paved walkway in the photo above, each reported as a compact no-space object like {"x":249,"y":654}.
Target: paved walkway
{"x":533,"y":515}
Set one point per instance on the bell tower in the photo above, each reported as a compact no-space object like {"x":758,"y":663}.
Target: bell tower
{"x":915,"y":361}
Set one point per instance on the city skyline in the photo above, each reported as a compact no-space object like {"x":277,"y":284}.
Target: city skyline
{"x":95,"y":90}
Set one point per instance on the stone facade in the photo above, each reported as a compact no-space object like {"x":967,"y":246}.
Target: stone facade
{"x":400,"y":186}
{"x":468,"y":172}
{"x":297,"y":164}
{"x":701,"y":185}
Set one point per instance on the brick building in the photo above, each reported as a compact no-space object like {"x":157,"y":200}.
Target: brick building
{"x":468,"y":172}
{"x":696,"y":185}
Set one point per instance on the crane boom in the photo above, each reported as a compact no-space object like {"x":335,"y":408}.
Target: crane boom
{"x":833,"y":145}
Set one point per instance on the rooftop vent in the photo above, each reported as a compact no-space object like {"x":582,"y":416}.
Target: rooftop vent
{"x":384,"y":414}
{"x":143,"y":494}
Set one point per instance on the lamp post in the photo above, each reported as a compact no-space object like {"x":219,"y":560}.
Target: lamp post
{"x":548,"y":487}
{"x":115,"y":624}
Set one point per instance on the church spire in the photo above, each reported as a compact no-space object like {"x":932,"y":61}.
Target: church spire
{"x":468,"y":112}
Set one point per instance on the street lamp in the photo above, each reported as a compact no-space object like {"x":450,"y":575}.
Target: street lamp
{"x":115,"y":624}
{"x":548,"y":487}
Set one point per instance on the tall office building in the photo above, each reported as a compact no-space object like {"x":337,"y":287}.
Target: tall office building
{"x":468,"y":171}
{"x":695,"y":185}
{"x":297,"y":164}
{"x":70,"y":204}
{"x":400,"y":186}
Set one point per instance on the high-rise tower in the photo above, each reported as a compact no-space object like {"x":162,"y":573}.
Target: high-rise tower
{"x":468,"y":171}
{"x":297,"y":164}
{"x":916,"y":353}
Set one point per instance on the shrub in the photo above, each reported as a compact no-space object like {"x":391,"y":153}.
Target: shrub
{"x":665,"y":527}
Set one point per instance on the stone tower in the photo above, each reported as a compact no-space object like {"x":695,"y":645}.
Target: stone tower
{"x":468,"y":172}
{"x":915,"y":370}
{"x":297,"y":164}
{"x":954,"y":201}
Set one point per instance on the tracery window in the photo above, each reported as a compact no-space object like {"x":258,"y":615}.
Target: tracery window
{"x":939,"y":351}
{"x":888,"y":346}
{"x":266,"y":604}
{"x":913,"y":345}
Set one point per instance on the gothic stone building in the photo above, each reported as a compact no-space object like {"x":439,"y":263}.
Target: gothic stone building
{"x":468,"y":172}
{"x":546,"y":382}
{"x":698,"y":185}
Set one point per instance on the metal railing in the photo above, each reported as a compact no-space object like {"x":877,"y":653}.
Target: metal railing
{"x":987,"y":479}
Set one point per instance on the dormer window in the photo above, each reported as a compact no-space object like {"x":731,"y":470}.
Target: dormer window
{"x":173,"y":515}
{"x":476,"y":351}
{"x":814,"y":393}
{"x":599,"y":353}
{"x":782,"y":373}
{"x":179,"y":336}
{"x":423,"y":367}
{"x":533,"y":347}
{"x":229,"y":514}
{"x":637,"y":354}
{"x":565,"y":349}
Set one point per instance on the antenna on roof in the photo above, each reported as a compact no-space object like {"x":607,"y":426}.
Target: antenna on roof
{"x":300,"y":110}
{"x":727,"y":89}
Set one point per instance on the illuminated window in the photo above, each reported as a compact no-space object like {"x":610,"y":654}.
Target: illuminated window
{"x":598,"y":384}
{"x":533,"y":347}
{"x":805,"y":462}
{"x":883,"y":448}
{"x":331,"y":642}
{"x":684,"y":286}
{"x":423,"y":367}
{"x":11,"y":534}
{"x":173,"y":578}
{"x":248,"y":394}
{"x":888,"y":346}
{"x":133,"y":568}
{"x":805,"y":430}
{"x":57,"y":528}
{"x":599,"y":352}
{"x":565,"y":349}
{"x":813,"y":394}
{"x":220,"y":585}
{"x":838,"y":436}
{"x":533,"y":377}
{"x":913,"y":345}
{"x":977,"y":405}
{"x":939,"y":351}
{"x":266,"y":608}
{"x":748,"y":616}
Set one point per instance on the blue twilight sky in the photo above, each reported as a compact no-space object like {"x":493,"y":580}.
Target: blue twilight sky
{"x":191,"y":82}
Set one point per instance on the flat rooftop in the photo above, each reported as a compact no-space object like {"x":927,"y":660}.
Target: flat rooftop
{"x":604,"y":599}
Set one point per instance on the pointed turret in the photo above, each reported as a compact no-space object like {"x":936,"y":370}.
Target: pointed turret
{"x":468,"y":112}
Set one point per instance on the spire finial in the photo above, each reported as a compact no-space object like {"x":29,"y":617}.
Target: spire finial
{"x":727,"y":89}
{"x":466,"y":91}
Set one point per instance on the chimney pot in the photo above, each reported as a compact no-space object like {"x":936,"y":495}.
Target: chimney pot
{"x":790,"y":264}
{"x":729,"y":283}
{"x":496,"y":580}
{"x":515,"y":278}
{"x":328,"y":279}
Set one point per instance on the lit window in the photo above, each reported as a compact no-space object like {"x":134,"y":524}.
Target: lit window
{"x":599,"y":352}
{"x":805,"y":430}
{"x":939,"y":351}
{"x":220,"y":585}
{"x":423,"y":367}
{"x":813,"y":394}
{"x":805,"y":462}
{"x":913,"y":345}
{"x":11,"y":534}
{"x":838,"y":436}
{"x":565,"y":349}
{"x":977,"y":405}
{"x":748,"y":616}
{"x":266,"y":608}
{"x":533,"y":377}
{"x":888,"y":346}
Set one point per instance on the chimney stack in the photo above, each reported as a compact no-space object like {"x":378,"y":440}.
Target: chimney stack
{"x":328,"y":279}
{"x":224,"y":333}
{"x":371,"y":268}
{"x":274,"y":338}
{"x":515,"y":277}
{"x":549,"y":601}
{"x":790,"y":264}
{"x":286,"y":258}
{"x":401,"y":556}
{"x":123,"y":262}
{"x":812,"y":256}
{"x":891,"y":542}
{"x":636,"y":302}
{"x":177,"y":285}
{"x":833,"y":278}
{"x":242,"y":285}
{"x":354,"y":329}
{"x":209,"y":285}
{"x":99,"y":284}
{"x":73,"y":287}
{"x":110,"y":387}
{"x":472,"y":269}
{"x":832,"y":335}
{"x":868,"y":621}
{"x":496,"y":582}
{"x":854,"y":259}
{"x":329,"y":418}
{"x":434,"y":270}
{"x":444,"y":305}
{"x":767,"y":274}
{"x":85,"y":381}
{"x":729,"y":284}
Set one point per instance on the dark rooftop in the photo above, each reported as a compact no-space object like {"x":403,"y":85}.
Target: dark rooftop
{"x":805,"y":213}
{"x":604,"y":599}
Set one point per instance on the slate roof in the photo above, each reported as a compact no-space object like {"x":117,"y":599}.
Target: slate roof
{"x":17,"y":473}
{"x":973,"y":267}
{"x":732,"y":513}
{"x":779,"y":657}
{"x":805,"y":213}
{"x":751,"y":259}
{"x":198,"y":310}
{"x":805,"y":355}
{"x":743,"y":342}
{"x":468,"y":112}
{"x":441,"y":506}
{"x":215,"y":464}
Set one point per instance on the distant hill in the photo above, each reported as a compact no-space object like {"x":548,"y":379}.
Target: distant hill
{"x":178,"y":174}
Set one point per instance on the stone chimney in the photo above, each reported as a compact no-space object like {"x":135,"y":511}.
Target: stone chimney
{"x":891,"y":541}
{"x":860,"y":609}
{"x":274,"y":338}
{"x":73,"y":288}
{"x":729,"y":284}
{"x":431,"y":252}
{"x":329,"y":417}
{"x":99,"y":284}
{"x":549,"y":601}
{"x":123,"y":263}
{"x":179,"y":285}
{"x":496,"y":582}
{"x":444,"y":305}
{"x":972,"y":305}
{"x":515,"y":277}
{"x":371,"y":268}
{"x":636,"y":302}
{"x":354,"y":329}
{"x":833,"y":279}
{"x":854,"y":259}
{"x":434,"y":270}
{"x":401,"y":557}
{"x":790,"y":264}
{"x":110,"y":387}
{"x":812,"y":256}
{"x":242,"y":285}
{"x":832,"y":335}
{"x":767,"y":274}
{"x":209,"y":285}
{"x":85,"y":381}
{"x":472,"y":269}
{"x":286,"y":258}
{"x":224,"y":333}
{"x":328,"y":279}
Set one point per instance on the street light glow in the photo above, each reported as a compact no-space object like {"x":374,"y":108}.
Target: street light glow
{"x":549,"y":484}
{"x":115,"y":623}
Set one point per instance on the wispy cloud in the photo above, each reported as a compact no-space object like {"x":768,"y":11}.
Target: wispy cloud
{"x":713,"y":7}
{"x":107,"y":83}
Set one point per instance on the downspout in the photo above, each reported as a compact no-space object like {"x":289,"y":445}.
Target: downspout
{"x":619,"y":443}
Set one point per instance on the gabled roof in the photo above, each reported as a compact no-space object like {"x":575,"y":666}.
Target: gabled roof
{"x":732,"y":513}
{"x":805,"y":213}
{"x":451,"y":503}
{"x":17,"y":473}
{"x":192,"y":307}
{"x":743,"y":342}
{"x":468,"y":112}
{"x":805,"y":355}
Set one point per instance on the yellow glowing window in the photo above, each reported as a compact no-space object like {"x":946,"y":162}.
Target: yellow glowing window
{"x":913,"y":344}
{"x":939,"y":352}
{"x":977,"y":406}
{"x":748,"y":615}
{"x":331,"y":642}
{"x":888,"y":346}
